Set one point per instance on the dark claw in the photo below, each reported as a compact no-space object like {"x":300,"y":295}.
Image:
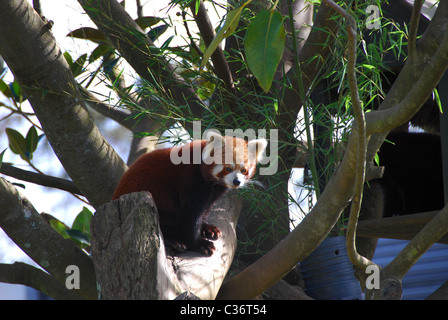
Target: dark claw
{"x":209,"y":231}
{"x":176,"y":245}
{"x":207,"y":248}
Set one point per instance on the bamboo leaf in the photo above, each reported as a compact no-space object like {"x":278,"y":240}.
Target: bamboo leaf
{"x":146,"y":22}
{"x":227,"y":29}
{"x":156,"y":32}
{"x":88,"y":33}
{"x":99,"y":51}
{"x":78,"y":65}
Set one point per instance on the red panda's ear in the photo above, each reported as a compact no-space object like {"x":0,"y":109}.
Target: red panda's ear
{"x":212,"y":151}
{"x":213,"y":136}
{"x":256,"y":148}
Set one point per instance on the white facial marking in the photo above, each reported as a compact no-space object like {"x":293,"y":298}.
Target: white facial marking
{"x":234,"y":179}
{"x":241,"y":178}
{"x":217,"y":169}
{"x":251,"y":171}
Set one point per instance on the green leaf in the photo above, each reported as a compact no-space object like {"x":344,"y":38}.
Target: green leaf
{"x":265,"y":41}
{"x":31,"y":140}
{"x":146,"y":22}
{"x":377,"y":159}
{"x":276,"y":106}
{"x":227,"y":29}
{"x":17,"y":143}
{"x":78,"y":236}
{"x":4,"y":88}
{"x":88,"y":33}
{"x":78,"y":65}
{"x":99,"y":51}
{"x":68,"y":58}
{"x":196,"y":7}
{"x":59,"y":227}
{"x":82,"y":221}
{"x":21,"y":185}
{"x":16,"y":91}
{"x":437,"y":99}
{"x":1,"y":157}
{"x":156,"y":32}
{"x":166,"y":44}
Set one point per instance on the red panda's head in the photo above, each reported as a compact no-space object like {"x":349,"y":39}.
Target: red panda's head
{"x":232,"y":161}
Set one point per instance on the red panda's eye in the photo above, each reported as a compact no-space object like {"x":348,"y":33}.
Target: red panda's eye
{"x":244,"y":171}
{"x":228,"y":169}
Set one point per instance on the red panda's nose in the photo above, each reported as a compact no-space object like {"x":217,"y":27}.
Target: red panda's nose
{"x":236,"y":182}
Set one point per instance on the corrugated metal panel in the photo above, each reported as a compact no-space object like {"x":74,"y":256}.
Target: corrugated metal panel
{"x":425,"y":276}
{"x":328,"y":272}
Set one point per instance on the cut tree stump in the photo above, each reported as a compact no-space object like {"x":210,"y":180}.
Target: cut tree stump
{"x":129,"y":255}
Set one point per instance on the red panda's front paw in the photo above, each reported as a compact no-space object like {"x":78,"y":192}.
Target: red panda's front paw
{"x":207,"y":248}
{"x":209,"y":231}
{"x":176,"y":245}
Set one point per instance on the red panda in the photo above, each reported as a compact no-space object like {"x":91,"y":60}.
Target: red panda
{"x":185,"y":192}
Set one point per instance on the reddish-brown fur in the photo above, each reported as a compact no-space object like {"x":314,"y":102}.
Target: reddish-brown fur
{"x":183,"y":195}
{"x":154,"y":172}
{"x":185,"y":192}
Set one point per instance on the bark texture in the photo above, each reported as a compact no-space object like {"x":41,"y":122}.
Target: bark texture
{"x":130,"y":258}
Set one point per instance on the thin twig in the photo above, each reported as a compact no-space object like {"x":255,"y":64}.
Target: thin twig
{"x":360,"y":131}
{"x":312,"y":158}
{"x":40,"y":179}
{"x":187,"y":29}
{"x":121,"y":117}
{"x":207,"y":33}
{"x":139,"y":9}
{"x":412,"y":37}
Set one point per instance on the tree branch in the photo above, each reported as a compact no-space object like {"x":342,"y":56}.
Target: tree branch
{"x":300,"y":242}
{"x":46,"y":80}
{"x":360,"y":131}
{"x":384,"y":120}
{"x":29,"y":230}
{"x":117,"y":115}
{"x":429,"y":235}
{"x":319,"y":42}
{"x":410,"y":74}
{"x":22,"y":273}
{"x":393,"y":273}
{"x":220,"y":64}
{"x":315,"y":226}
{"x":190,"y":36}
{"x":440,"y":294}
{"x":139,"y":51}
{"x":40,"y":179}
{"x":299,"y":25}
{"x":412,"y":36}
